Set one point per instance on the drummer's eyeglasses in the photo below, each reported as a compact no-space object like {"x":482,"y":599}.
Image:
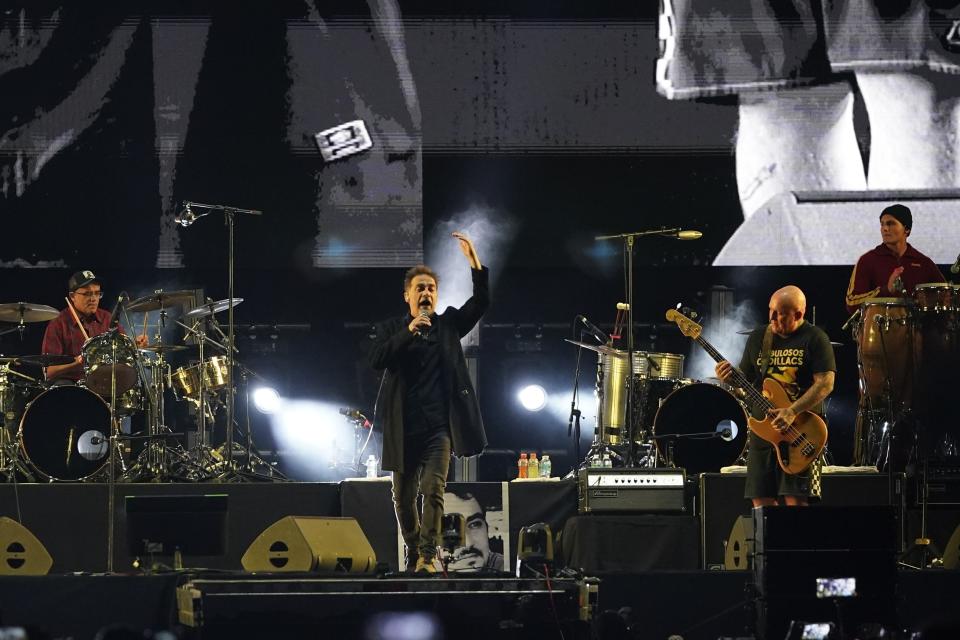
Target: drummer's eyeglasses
{"x":89,"y":294}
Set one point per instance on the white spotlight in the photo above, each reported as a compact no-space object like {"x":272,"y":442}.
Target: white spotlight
{"x":533,"y":397}
{"x":266,"y":399}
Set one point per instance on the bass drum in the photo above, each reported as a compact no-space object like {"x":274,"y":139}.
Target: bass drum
{"x":64,"y":433}
{"x":700,"y":408}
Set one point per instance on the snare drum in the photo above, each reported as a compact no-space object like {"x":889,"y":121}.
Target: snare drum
{"x":214,"y":373}
{"x":64,"y":433}
{"x":100,"y":353}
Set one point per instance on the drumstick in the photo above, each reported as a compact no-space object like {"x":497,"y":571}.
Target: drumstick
{"x":77,"y":318}
{"x":145,"y":316}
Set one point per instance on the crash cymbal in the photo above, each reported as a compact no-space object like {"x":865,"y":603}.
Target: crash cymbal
{"x":211,"y":308}
{"x":26,"y":312}
{"x":599,"y":348}
{"x":165,"y":348}
{"x":161,"y":300}
{"x":46,"y":359}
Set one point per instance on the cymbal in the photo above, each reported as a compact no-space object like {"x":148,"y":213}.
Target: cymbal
{"x":161,"y":300}
{"x":599,"y":348}
{"x":165,"y":348}
{"x":26,"y":312}
{"x":46,"y":359}
{"x":211,"y":308}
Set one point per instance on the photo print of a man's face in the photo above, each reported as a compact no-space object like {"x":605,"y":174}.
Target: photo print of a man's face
{"x":476,"y":553}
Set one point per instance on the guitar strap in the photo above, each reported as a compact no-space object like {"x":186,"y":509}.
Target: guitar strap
{"x":765,"y":354}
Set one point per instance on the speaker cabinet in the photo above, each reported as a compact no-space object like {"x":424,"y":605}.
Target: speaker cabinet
{"x":307,"y":543}
{"x":722,"y":502}
{"x":21,"y":554}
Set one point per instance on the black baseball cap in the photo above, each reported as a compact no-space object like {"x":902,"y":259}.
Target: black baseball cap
{"x":81,"y":279}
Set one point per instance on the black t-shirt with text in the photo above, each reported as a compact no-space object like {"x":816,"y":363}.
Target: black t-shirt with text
{"x":793,"y":360}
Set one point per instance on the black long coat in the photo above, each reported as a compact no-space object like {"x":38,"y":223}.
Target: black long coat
{"x":392,"y":339}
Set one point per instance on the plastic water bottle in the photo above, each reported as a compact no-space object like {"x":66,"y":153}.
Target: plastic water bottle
{"x":545,"y":466}
{"x":371,"y":466}
{"x":533,"y":467}
{"x":607,"y":462}
{"x":522,"y":466}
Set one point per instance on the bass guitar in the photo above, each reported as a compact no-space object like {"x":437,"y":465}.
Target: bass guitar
{"x":799,"y":444}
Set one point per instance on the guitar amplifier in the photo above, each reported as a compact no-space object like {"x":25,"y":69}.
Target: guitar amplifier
{"x":629,"y":490}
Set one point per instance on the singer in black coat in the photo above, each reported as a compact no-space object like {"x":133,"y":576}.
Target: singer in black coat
{"x":392,"y":339}
{"x":429,"y":405}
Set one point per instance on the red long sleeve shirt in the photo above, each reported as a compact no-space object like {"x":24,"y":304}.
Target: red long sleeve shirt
{"x":873,"y":269}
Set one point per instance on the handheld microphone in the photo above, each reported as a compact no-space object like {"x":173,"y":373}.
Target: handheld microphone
{"x":185,"y":217}
{"x":689,"y":234}
{"x":593,"y":329}
{"x":420,"y":330}
{"x":956,"y":266}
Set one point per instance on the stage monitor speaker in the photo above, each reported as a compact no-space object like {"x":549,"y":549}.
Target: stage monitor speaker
{"x":310,"y":543}
{"x":21,"y":554}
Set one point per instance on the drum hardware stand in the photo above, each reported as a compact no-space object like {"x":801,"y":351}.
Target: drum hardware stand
{"x":208,"y":460}
{"x":186,"y":218}
{"x":628,"y":242}
{"x":10,"y":461}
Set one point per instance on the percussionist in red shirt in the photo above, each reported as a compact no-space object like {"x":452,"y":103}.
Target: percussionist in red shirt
{"x":891,"y":269}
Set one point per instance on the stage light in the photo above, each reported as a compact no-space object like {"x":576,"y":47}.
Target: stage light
{"x":533,"y":397}
{"x":266,"y":399}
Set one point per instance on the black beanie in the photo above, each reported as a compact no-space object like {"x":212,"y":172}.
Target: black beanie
{"x":901,"y":213}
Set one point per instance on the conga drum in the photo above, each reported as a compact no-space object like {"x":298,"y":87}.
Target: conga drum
{"x":888,"y":346}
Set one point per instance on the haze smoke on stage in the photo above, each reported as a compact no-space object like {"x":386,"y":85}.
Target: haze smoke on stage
{"x":724,"y":334}
{"x":492,"y":233}
{"x":313,"y":439}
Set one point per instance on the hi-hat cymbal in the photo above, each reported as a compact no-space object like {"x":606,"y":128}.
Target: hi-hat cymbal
{"x":161,"y":300}
{"x":165,"y":348}
{"x":211,"y":308}
{"x":599,"y":348}
{"x":26,"y":312}
{"x":46,"y":359}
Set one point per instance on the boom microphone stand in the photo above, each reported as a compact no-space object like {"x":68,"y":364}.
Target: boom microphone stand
{"x":628,"y":242}
{"x":185,"y":218}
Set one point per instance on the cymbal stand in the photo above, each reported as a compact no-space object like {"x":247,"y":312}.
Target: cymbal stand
{"x":229,"y":214}
{"x":628,"y":242}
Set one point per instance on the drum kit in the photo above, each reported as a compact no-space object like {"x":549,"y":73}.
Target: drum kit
{"x":677,"y":421}
{"x":907,"y":350}
{"x":59,"y":432}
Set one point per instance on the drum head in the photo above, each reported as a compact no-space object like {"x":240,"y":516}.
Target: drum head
{"x":700,"y":408}
{"x":64,"y":433}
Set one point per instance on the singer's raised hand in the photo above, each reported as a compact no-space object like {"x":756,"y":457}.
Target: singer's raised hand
{"x":466,"y":246}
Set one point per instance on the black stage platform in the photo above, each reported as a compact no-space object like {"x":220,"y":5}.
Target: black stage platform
{"x":666,"y":568}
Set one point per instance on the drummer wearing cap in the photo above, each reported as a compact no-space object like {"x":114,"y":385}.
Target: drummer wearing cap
{"x":893,"y":268}
{"x":63,"y":335}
